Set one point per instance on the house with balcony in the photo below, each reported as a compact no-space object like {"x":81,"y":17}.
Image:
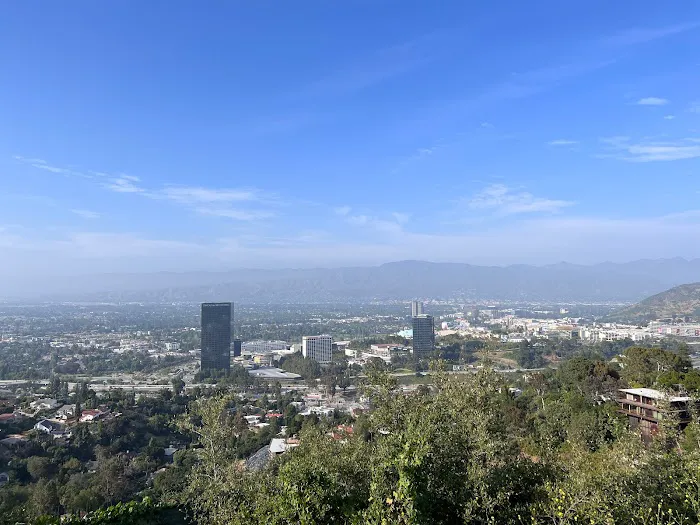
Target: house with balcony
{"x":645,"y":408}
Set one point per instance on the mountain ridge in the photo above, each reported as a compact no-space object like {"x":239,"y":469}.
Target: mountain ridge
{"x":603,"y":282}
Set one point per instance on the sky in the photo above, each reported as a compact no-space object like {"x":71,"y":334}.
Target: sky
{"x":175,"y":135}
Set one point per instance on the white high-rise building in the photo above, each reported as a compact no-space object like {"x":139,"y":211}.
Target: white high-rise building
{"x":416,"y":308}
{"x":317,"y":347}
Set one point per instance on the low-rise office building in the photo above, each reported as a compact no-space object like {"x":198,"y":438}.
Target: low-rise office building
{"x":318,"y":348}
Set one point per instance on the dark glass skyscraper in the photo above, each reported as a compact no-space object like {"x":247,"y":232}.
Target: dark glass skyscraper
{"x":216,"y":336}
{"x":423,"y":335}
{"x":237,"y":346}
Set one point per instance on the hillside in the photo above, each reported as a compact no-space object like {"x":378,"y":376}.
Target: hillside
{"x":680,"y":301}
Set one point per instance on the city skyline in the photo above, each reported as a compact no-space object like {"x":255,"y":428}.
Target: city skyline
{"x":535,"y":136}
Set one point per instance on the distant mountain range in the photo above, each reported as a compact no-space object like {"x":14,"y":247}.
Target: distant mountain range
{"x":606,"y":282}
{"x":680,"y":301}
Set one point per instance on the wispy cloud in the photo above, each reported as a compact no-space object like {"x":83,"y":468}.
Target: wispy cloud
{"x":197,"y":195}
{"x":216,"y":202}
{"x":213,"y":202}
{"x":43,"y":165}
{"x":236,"y":214}
{"x":52,"y":169}
{"x":503,"y":200}
{"x":562,"y":142}
{"x":86,"y":214}
{"x":623,"y":148}
{"x":652,"y":101}
{"x":393,"y":226}
{"x":342,"y":210}
{"x":634,"y":36}
{"x":124,"y":184}
{"x":694,"y":107}
{"x":669,"y":117}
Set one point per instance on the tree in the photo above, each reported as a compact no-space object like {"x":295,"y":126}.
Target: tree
{"x":589,"y":377}
{"x":40,"y":467}
{"x":529,"y":356}
{"x":644,"y":366}
{"x":44,"y":498}
{"x":178,"y":385}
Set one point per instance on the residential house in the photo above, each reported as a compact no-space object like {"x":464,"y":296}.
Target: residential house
{"x":66,"y":412}
{"x":52,"y":428}
{"x":279,"y":446}
{"x":45,"y":404}
{"x":252,"y":420}
{"x":90,"y":415}
{"x":645,"y":408}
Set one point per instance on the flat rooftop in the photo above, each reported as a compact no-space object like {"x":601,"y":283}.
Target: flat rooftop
{"x":651,"y":394}
{"x":270,"y":372}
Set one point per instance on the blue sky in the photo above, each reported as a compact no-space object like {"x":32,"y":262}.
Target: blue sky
{"x":165,"y":135}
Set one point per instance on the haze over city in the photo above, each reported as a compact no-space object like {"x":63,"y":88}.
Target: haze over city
{"x":159,"y":136}
{"x":370,"y":261}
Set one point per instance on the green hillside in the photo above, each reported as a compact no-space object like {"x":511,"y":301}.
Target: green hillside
{"x":680,"y":301}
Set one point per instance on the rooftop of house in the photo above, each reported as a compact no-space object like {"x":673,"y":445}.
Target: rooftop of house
{"x":654,"y":394}
{"x":45,"y":401}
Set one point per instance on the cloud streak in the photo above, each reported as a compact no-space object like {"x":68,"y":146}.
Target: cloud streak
{"x":212,"y":202}
{"x":622,"y":148}
{"x":198,"y":195}
{"x":86,"y":214}
{"x":124,"y":184}
{"x":562,"y":142}
{"x":502,"y":200}
{"x":43,"y":165}
{"x":652,"y":101}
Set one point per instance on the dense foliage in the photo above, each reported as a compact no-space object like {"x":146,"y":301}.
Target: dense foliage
{"x":469,"y":448}
{"x":465,"y":451}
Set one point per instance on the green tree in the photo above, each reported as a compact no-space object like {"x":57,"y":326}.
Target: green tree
{"x":178,"y":385}
{"x":40,"y":467}
{"x":44,"y":498}
{"x":644,"y":366}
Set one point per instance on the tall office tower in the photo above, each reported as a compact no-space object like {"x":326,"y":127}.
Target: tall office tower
{"x":317,"y":347}
{"x":423,"y":335}
{"x":216,"y":336}
{"x":237,"y":346}
{"x":416,"y":308}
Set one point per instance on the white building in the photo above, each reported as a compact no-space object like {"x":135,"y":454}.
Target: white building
{"x":263,"y":347}
{"x":45,"y":404}
{"x":279,"y":446}
{"x":385,"y":351}
{"x":90,"y":415}
{"x":317,"y":347}
{"x":52,"y":428}
{"x":172,"y":347}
